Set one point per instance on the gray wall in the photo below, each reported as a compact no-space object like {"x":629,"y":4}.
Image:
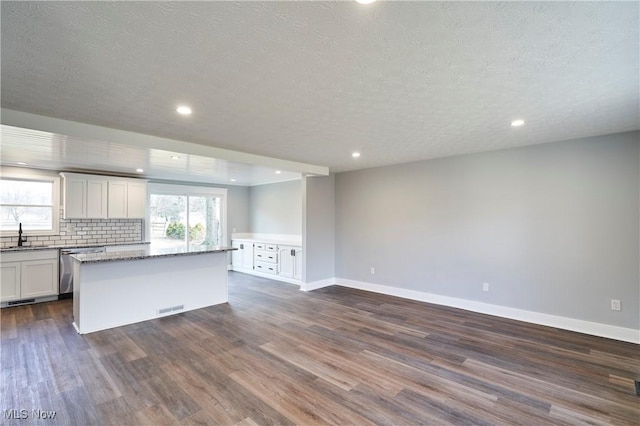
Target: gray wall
{"x":238,"y":210}
{"x":276,"y":208}
{"x":553,"y":228}
{"x":319,"y":227}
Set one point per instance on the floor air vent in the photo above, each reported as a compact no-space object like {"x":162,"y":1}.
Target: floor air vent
{"x":171,"y":309}
{"x":21,"y":302}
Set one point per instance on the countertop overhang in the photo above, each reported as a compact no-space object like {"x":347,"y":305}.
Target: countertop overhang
{"x":146,"y":253}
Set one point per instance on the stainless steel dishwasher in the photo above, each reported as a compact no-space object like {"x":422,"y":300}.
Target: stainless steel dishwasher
{"x":66,"y":268}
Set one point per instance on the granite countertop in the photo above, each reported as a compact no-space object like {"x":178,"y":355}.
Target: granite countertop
{"x":59,"y":246}
{"x":147,"y":252}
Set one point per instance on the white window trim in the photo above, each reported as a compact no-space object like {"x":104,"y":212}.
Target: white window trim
{"x":33,"y":176}
{"x":188,"y":190}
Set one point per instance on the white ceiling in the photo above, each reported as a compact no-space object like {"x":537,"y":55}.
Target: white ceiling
{"x":313,"y":81}
{"x":45,"y":150}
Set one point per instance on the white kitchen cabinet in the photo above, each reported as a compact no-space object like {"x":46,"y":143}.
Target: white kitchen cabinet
{"x":242,"y":258}
{"x":39,"y":278}
{"x":9,"y":281}
{"x":290,"y":262}
{"x":74,"y":196}
{"x":29,"y":275}
{"x":97,"y":198}
{"x":265,"y":258}
{"x":268,"y":259}
{"x":117,"y":199}
{"x":136,"y":199}
{"x":127,"y":199}
{"x":84,"y":196}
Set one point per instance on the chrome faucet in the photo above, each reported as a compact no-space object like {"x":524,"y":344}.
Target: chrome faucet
{"x":20,"y":239}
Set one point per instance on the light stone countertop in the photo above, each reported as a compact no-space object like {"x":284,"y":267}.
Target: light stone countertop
{"x":146,"y":253}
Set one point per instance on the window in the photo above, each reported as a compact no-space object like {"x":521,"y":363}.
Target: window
{"x":183,"y":216}
{"x":32,"y":202}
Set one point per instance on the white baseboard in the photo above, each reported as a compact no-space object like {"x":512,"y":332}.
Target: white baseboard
{"x":317,"y":284}
{"x":229,"y":267}
{"x":587,"y":327}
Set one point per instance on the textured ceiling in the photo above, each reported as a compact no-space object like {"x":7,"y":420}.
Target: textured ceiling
{"x":313,"y":81}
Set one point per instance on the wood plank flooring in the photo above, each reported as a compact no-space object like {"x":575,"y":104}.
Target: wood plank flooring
{"x":278,"y":356}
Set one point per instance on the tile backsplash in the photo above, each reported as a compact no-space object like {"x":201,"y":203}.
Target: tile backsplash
{"x":82,"y":232}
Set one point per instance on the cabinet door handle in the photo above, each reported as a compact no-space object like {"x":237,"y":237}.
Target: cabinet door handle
{"x":293,"y":253}
{"x":241,"y":246}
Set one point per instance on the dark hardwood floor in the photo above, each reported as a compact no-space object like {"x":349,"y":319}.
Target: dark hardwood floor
{"x":275,"y":355}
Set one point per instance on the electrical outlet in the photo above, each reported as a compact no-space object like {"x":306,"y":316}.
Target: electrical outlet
{"x":616,"y":305}
{"x":373,"y":271}
{"x":485,"y":286}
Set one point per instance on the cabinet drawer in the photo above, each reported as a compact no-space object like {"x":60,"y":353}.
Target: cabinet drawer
{"x":266,"y":247}
{"x":267,"y":268}
{"x":266,"y":256}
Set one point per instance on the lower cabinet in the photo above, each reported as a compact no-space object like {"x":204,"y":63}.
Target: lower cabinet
{"x":290,"y":262}
{"x":242,"y":258}
{"x":257,"y":257}
{"x":10,"y":281}
{"x":28,"y":275}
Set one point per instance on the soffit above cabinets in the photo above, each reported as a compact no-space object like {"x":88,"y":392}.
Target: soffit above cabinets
{"x":50,"y":151}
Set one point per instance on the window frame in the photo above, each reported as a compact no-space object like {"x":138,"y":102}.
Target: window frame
{"x":55,"y":199}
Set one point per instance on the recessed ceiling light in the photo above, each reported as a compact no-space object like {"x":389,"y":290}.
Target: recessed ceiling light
{"x":139,"y":170}
{"x":517,"y":123}
{"x":233,"y":180}
{"x":21,"y":163}
{"x":355,"y":155}
{"x":175,"y":157}
{"x":365,"y":1}
{"x":278,"y":172}
{"x":184,"y":110}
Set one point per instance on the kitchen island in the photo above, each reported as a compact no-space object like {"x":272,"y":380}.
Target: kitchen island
{"x":123,"y":287}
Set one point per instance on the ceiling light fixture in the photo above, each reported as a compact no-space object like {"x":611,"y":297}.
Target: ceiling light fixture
{"x":21,"y":163}
{"x":365,"y":1}
{"x":139,"y":170}
{"x":175,"y":157}
{"x":232,"y":180}
{"x":184,"y":110}
{"x":355,"y":155}
{"x":517,"y":123}
{"x":278,"y":172}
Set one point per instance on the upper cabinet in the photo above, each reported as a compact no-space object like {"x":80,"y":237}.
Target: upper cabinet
{"x":96,"y":198}
{"x":127,"y":198}
{"x":100,"y":197}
